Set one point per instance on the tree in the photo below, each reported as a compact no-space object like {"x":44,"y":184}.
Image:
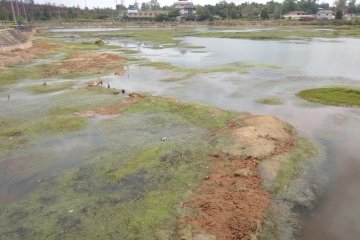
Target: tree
{"x":289,"y":5}
{"x":340,"y":5}
{"x":154,"y":5}
{"x":161,"y":18}
{"x":120,"y":7}
{"x":174,"y":13}
{"x":339,"y":14}
{"x":145,"y":6}
{"x":4,"y":14}
{"x":264,"y":14}
{"x":352,"y":7}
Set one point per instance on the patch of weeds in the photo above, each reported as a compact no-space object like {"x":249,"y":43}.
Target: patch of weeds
{"x":129,"y":51}
{"x":238,"y":67}
{"x":337,"y":96}
{"x":283,"y":34}
{"x":199,"y":115}
{"x":15,"y":73}
{"x":270,"y":101}
{"x":47,"y":125}
{"x":291,"y":167}
{"x":160,"y":36}
{"x":49,"y":88}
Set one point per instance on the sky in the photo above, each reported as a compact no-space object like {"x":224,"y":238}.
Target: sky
{"x":111,"y":3}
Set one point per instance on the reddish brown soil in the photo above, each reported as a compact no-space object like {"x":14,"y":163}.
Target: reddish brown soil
{"x":230,"y":202}
{"x":229,"y":205}
{"x":87,"y":62}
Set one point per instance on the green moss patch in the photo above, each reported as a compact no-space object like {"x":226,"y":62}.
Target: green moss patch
{"x":49,"y":88}
{"x":270,"y":101}
{"x":291,"y":164}
{"x":196,"y":114}
{"x":337,"y":96}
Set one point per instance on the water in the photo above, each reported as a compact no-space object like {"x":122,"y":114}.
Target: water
{"x":303,"y":64}
{"x":300,"y":64}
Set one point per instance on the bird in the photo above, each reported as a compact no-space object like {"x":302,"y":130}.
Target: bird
{"x":123,"y":91}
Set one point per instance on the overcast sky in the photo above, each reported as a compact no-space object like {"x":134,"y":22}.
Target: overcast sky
{"x":111,"y":3}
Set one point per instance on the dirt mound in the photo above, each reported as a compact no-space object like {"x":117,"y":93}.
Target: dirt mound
{"x":86,"y":62}
{"x":230,"y":202}
{"x":11,"y":37}
{"x":25,"y":52}
{"x":261,"y":137}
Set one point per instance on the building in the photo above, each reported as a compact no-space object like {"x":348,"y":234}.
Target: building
{"x":299,"y":15}
{"x":186,"y":8}
{"x":323,"y":14}
{"x":137,"y":15}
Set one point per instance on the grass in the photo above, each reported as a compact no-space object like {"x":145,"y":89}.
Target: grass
{"x":270,"y":101}
{"x":12,"y":74}
{"x":199,"y":115}
{"x":285,"y":34}
{"x":336,"y":96}
{"x":49,"y":88}
{"x":291,"y":167}
{"x":156,"y":36}
{"x":238,"y":67}
{"x":131,"y":191}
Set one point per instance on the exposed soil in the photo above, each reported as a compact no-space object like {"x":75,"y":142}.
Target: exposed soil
{"x":230,"y":202}
{"x":87,"y":62}
{"x":24,"y":52}
{"x":113,"y":109}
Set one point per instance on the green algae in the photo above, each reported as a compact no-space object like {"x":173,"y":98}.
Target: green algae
{"x":236,"y":67}
{"x":196,"y":114}
{"x":337,"y":96}
{"x":50,"y":88}
{"x":131,"y":192}
{"x":270,"y":101}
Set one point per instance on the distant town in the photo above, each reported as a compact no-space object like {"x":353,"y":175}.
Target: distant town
{"x":183,"y":10}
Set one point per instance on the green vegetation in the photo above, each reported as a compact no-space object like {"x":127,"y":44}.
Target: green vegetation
{"x":269,"y":100}
{"x":132,"y":191}
{"x":291,"y":164}
{"x":285,"y":34}
{"x":13,"y":74}
{"x":49,"y":88}
{"x":238,"y":67}
{"x":167,"y":37}
{"x":196,"y":114}
{"x":337,"y":96}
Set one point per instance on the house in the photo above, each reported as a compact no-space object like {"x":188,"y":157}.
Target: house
{"x":323,"y":14}
{"x":347,"y":16}
{"x":137,"y":15}
{"x":186,"y":8}
{"x":299,"y":15}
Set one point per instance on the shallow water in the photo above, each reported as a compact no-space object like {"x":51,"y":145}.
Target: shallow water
{"x":303,"y":64}
{"x":299,"y":65}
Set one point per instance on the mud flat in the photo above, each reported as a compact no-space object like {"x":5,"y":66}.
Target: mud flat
{"x":83,"y":161}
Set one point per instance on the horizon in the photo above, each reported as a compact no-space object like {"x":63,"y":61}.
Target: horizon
{"x":112,"y":3}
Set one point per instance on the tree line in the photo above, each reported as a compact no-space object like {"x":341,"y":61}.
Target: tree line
{"x":222,"y":10}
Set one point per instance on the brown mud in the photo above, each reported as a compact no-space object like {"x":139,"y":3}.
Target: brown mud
{"x":84,"y":62}
{"x":24,"y":52}
{"x":231,"y":201}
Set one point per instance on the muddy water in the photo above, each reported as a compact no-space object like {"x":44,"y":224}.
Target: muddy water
{"x":300,"y":64}
{"x":303,"y":64}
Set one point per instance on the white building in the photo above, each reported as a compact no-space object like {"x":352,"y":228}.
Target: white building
{"x":186,"y":8}
{"x":299,"y":15}
{"x":325,"y":14}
